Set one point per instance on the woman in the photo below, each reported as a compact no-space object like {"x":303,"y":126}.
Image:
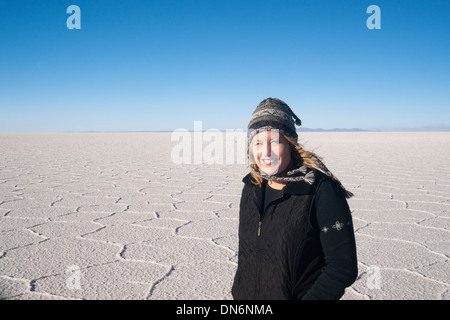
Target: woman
{"x":296,"y":238}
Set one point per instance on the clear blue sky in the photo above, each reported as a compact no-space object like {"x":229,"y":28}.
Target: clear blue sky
{"x":160,"y":65}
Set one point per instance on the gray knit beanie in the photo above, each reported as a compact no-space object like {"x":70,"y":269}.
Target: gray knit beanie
{"x":273,"y":114}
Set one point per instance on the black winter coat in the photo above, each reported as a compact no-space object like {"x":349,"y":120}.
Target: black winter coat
{"x":301,"y":247}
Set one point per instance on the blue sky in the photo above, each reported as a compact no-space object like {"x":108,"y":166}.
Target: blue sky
{"x":160,"y":65}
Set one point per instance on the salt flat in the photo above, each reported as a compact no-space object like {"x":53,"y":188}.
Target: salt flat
{"x":111,"y":216}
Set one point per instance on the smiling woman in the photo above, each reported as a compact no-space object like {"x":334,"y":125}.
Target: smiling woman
{"x":296,"y":238}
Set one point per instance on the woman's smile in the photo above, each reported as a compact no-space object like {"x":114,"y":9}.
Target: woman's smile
{"x":268,"y":161}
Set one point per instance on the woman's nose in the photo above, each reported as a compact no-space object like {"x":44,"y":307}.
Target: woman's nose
{"x":267,"y":150}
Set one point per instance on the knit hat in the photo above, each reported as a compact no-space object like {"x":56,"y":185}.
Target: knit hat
{"x":273,"y":114}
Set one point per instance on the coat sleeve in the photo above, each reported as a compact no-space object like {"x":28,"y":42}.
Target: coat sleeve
{"x":337,"y":238}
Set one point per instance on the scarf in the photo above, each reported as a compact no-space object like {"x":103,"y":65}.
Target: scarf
{"x":299,"y":174}
{"x":302,"y":173}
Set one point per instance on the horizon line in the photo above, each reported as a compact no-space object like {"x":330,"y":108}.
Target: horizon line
{"x":445,"y":129}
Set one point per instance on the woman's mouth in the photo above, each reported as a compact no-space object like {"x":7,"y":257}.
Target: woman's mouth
{"x":267,"y":162}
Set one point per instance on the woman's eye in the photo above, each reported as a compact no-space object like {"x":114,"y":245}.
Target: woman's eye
{"x":275,"y":141}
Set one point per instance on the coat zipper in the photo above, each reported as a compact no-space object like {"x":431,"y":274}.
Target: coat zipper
{"x":258,"y":264}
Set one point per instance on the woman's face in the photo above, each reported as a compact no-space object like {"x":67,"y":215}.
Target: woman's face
{"x":272,"y":152}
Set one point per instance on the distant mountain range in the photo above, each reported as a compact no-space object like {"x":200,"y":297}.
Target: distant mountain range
{"x":428,"y":128}
{"x":334,"y":130}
